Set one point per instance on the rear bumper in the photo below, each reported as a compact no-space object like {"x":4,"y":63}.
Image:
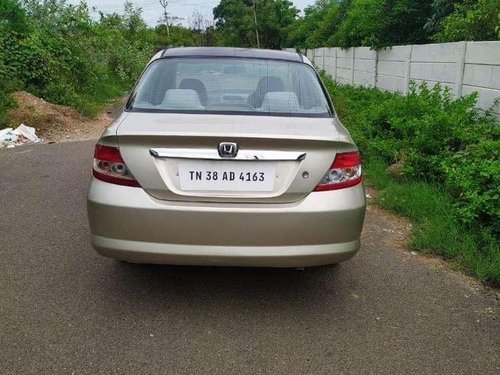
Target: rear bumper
{"x":247,"y":256}
{"x":128,"y":224}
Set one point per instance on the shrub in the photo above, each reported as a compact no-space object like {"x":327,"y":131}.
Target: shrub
{"x":6,"y":102}
{"x":56,"y":51}
{"x":436,"y":140}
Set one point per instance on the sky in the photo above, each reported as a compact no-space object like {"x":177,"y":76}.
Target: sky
{"x":152,"y":10}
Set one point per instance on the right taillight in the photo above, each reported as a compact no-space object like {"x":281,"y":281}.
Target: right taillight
{"x":344,"y":172}
{"x":110,"y":167}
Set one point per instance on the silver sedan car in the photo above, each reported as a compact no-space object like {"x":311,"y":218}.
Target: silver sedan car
{"x":228,"y":157}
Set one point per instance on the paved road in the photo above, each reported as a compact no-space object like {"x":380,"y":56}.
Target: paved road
{"x":66,"y":310}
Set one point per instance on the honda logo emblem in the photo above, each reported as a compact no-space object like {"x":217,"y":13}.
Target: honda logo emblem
{"x":228,"y":149}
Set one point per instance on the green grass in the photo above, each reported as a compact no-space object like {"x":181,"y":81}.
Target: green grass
{"x":90,"y":104}
{"x":435,"y":229}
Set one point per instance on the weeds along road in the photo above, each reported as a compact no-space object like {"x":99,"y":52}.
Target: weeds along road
{"x":65,"y":310}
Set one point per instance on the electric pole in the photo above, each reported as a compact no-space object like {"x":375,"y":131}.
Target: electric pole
{"x":164,"y":4}
{"x":255,"y":22}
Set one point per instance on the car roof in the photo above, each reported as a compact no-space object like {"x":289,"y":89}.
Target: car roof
{"x":254,"y":53}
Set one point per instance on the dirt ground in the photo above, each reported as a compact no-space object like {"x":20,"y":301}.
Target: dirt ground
{"x":58,"y":123}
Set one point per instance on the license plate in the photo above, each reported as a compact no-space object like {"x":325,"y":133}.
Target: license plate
{"x":237,"y":176}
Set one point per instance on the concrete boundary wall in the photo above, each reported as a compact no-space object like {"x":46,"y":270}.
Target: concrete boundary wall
{"x":464,"y":67}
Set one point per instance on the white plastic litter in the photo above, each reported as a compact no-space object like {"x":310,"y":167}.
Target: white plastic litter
{"x":28,"y":132}
{"x":10,"y":138}
{"x":4,"y":132}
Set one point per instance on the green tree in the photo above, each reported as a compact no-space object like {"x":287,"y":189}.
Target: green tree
{"x":470,"y":20}
{"x":132,"y":19}
{"x":382,"y":23}
{"x":233,"y":19}
{"x":12,"y":16}
{"x":236,"y":25}
{"x":275,"y":19}
{"x":318,"y":26}
{"x":440,"y":10}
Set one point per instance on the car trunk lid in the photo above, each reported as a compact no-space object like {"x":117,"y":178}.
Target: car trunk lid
{"x":278,"y":159}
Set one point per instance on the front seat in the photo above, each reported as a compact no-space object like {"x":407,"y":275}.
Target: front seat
{"x":265,"y":85}
{"x":196,"y":85}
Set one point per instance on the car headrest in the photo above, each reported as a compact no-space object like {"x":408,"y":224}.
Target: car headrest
{"x":196,"y":85}
{"x":181,"y":99}
{"x":280,"y":101}
{"x":270,"y":84}
{"x":265,"y":85}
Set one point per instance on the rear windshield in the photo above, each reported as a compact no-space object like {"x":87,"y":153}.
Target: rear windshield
{"x":230,"y":85}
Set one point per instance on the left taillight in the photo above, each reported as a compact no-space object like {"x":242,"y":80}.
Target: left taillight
{"x":110,"y":167}
{"x":344,"y":172}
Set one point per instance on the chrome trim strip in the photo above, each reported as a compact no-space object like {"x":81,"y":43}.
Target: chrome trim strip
{"x":212,"y":154}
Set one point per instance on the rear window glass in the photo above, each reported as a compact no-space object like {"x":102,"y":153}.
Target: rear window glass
{"x":240,"y":85}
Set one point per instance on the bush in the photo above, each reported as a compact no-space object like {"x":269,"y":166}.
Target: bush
{"x":470,"y":20}
{"x":58,"y":52}
{"x":447,"y":145}
{"x":6,"y":102}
